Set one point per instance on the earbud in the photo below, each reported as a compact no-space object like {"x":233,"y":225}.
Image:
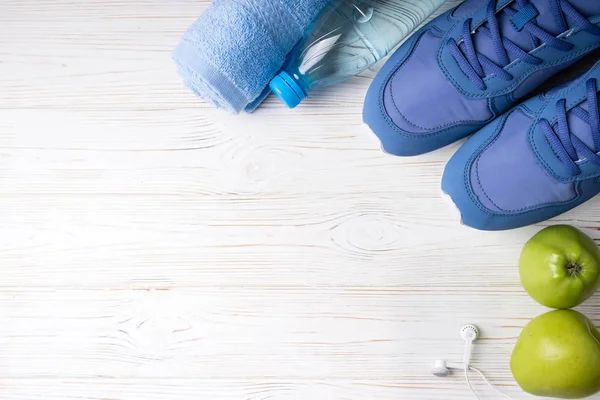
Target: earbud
{"x":469,"y":333}
{"x":442,"y":368}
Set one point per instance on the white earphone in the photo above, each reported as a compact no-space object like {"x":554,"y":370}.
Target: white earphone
{"x":441,"y":368}
{"x":469,"y":333}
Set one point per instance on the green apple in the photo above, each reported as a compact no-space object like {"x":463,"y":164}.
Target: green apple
{"x":558,"y":355}
{"x":560,"y":267}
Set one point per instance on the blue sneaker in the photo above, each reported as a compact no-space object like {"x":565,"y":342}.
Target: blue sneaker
{"x":535,"y":162}
{"x":471,"y":64}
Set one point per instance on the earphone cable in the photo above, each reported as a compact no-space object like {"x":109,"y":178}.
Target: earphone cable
{"x":471,"y":368}
{"x":467,"y":368}
{"x":490,"y":384}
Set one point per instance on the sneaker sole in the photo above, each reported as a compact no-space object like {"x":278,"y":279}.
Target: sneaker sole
{"x":452,"y":205}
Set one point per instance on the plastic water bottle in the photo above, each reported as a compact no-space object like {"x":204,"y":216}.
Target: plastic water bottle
{"x":346,"y":39}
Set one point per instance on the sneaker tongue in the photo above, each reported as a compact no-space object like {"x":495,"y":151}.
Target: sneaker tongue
{"x":523,"y":39}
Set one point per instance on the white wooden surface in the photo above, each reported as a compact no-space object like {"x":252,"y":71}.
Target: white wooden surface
{"x":153,"y":248}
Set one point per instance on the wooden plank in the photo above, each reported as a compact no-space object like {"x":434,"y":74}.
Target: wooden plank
{"x":254,"y":332}
{"x":217,"y":389}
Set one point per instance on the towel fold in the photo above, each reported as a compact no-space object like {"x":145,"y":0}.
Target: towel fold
{"x":230,"y":54}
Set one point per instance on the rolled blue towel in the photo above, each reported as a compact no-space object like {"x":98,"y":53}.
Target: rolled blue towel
{"x":229,"y":55}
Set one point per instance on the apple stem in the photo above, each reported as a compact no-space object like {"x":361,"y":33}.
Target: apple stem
{"x":574,"y":269}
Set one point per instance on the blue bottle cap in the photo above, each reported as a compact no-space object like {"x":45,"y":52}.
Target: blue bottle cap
{"x":287,"y":89}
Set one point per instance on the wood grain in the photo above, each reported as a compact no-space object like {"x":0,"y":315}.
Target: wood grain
{"x":154,"y":248}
